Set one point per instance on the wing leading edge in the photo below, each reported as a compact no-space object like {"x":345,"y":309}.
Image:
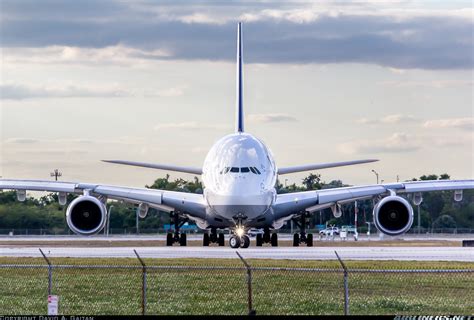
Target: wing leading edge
{"x":192,"y":170}
{"x":317,"y":166}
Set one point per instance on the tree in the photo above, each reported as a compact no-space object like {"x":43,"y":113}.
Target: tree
{"x":444,"y":221}
{"x":312,"y":182}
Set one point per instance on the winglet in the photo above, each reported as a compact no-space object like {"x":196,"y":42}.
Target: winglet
{"x":239,"y":127}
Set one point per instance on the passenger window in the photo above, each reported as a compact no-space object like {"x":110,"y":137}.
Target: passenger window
{"x":244,"y":169}
{"x":234,"y":169}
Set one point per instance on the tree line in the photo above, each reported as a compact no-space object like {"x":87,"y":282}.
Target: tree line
{"x":438,"y":209}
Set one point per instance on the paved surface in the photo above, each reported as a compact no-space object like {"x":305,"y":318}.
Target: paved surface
{"x":281,"y":236}
{"x":301,"y":253}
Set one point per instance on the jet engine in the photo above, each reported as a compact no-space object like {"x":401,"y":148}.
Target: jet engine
{"x":86,"y":215}
{"x":393,"y":215}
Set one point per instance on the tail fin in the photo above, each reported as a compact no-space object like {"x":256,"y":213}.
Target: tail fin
{"x":239,"y":127}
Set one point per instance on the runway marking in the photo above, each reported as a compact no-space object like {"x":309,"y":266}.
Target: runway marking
{"x":303,"y":253}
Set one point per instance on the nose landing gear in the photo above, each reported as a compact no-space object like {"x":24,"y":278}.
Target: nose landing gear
{"x":239,"y":239}
{"x":239,"y":242}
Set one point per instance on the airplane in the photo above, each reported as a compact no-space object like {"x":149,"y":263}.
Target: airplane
{"x":239,"y":176}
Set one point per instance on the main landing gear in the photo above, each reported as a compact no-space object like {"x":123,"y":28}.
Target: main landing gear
{"x":267,"y":237}
{"x":176,"y":236}
{"x":213,"y":237}
{"x":302,"y":237}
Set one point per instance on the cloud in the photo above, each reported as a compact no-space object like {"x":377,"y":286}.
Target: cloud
{"x":271,"y":117}
{"x":390,"y":119}
{"x":437,"y":84}
{"x":396,"y":143}
{"x":22,"y":91}
{"x":459,"y":123}
{"x":191,"y":125}
{"x":22,"y":141}
{"x":63,"y":54}
{"x":274,"y":32}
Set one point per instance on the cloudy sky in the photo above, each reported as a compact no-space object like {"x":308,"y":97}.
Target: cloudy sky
{"x":155,"y":81}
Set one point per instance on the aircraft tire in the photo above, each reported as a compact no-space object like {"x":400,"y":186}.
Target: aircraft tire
{"x":309,"y":240}
{"x":169,"y":239}
{"x":205,"y":240}
{"x":274,"y":240}
{"x":296,"y":240}
{"x":245,"y":241}
{"x":234,"y":242}
{"x":221,"y":240}
{"x":182,"y":240}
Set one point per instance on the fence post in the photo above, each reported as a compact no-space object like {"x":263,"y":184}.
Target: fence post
{"x":50,"y":272}
{"x":252,"y":312}
{"x":346,"y":285}
{"x":143,"y":282}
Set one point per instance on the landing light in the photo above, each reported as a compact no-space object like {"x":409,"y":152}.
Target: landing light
{"x":240,"y":231}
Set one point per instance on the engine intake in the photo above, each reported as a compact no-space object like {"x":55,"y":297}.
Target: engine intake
{"x":393,"y":215}
{"x":86,"y":215}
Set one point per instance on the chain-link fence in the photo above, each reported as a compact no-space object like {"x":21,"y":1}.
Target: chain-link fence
{"x":232,"y":286}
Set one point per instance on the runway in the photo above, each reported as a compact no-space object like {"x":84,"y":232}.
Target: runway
{"x":300,"y":253}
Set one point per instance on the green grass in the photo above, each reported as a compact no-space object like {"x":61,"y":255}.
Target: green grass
{"x":202,"y":290}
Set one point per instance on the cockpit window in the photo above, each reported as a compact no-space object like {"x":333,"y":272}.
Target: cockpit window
{"x":242,"y":170}
{"x":225,"y":170}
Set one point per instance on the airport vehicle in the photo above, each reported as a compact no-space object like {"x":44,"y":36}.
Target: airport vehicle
{"x":239,"y":175}
{"x":255,"y":232}
{"x":329,"y":230}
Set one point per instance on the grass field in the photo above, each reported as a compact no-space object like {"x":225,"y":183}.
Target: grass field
{"x":204,"y":290}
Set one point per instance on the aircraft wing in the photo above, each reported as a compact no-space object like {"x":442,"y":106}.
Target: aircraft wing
{"x":192,"y":170}
{"x":317,"y":166}
{"x":164,"y":200}
{"x":310,"y":201}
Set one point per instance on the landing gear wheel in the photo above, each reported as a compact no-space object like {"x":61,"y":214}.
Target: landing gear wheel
{"x":296,"y":240}
{"x":205,"y":240}
{"x":169,"y":239}
{"x":274,"y":240}
{"x":309,"y":240}
{"x":182,"y":240}
{"x":221,"y":240}
{"x":245,"y":242}
{"x":234,"y":242}
{"x":259,"y":240}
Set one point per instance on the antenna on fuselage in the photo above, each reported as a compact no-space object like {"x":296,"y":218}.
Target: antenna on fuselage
{"x":239,"y":127}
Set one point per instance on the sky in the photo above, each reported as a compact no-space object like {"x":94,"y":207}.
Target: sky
{"x":154,"y":81}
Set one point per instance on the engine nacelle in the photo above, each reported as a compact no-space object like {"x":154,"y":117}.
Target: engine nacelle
{"x":393,"y":215}
{"x":86,"y":215}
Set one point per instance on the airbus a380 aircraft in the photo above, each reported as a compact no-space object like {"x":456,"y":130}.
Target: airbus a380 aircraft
{"x":239,"y":176}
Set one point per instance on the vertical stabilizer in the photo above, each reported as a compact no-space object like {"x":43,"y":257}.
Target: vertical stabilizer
{"x":239,"y":127}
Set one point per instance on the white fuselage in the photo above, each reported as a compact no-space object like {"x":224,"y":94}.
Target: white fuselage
{"x":239,"y":176}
